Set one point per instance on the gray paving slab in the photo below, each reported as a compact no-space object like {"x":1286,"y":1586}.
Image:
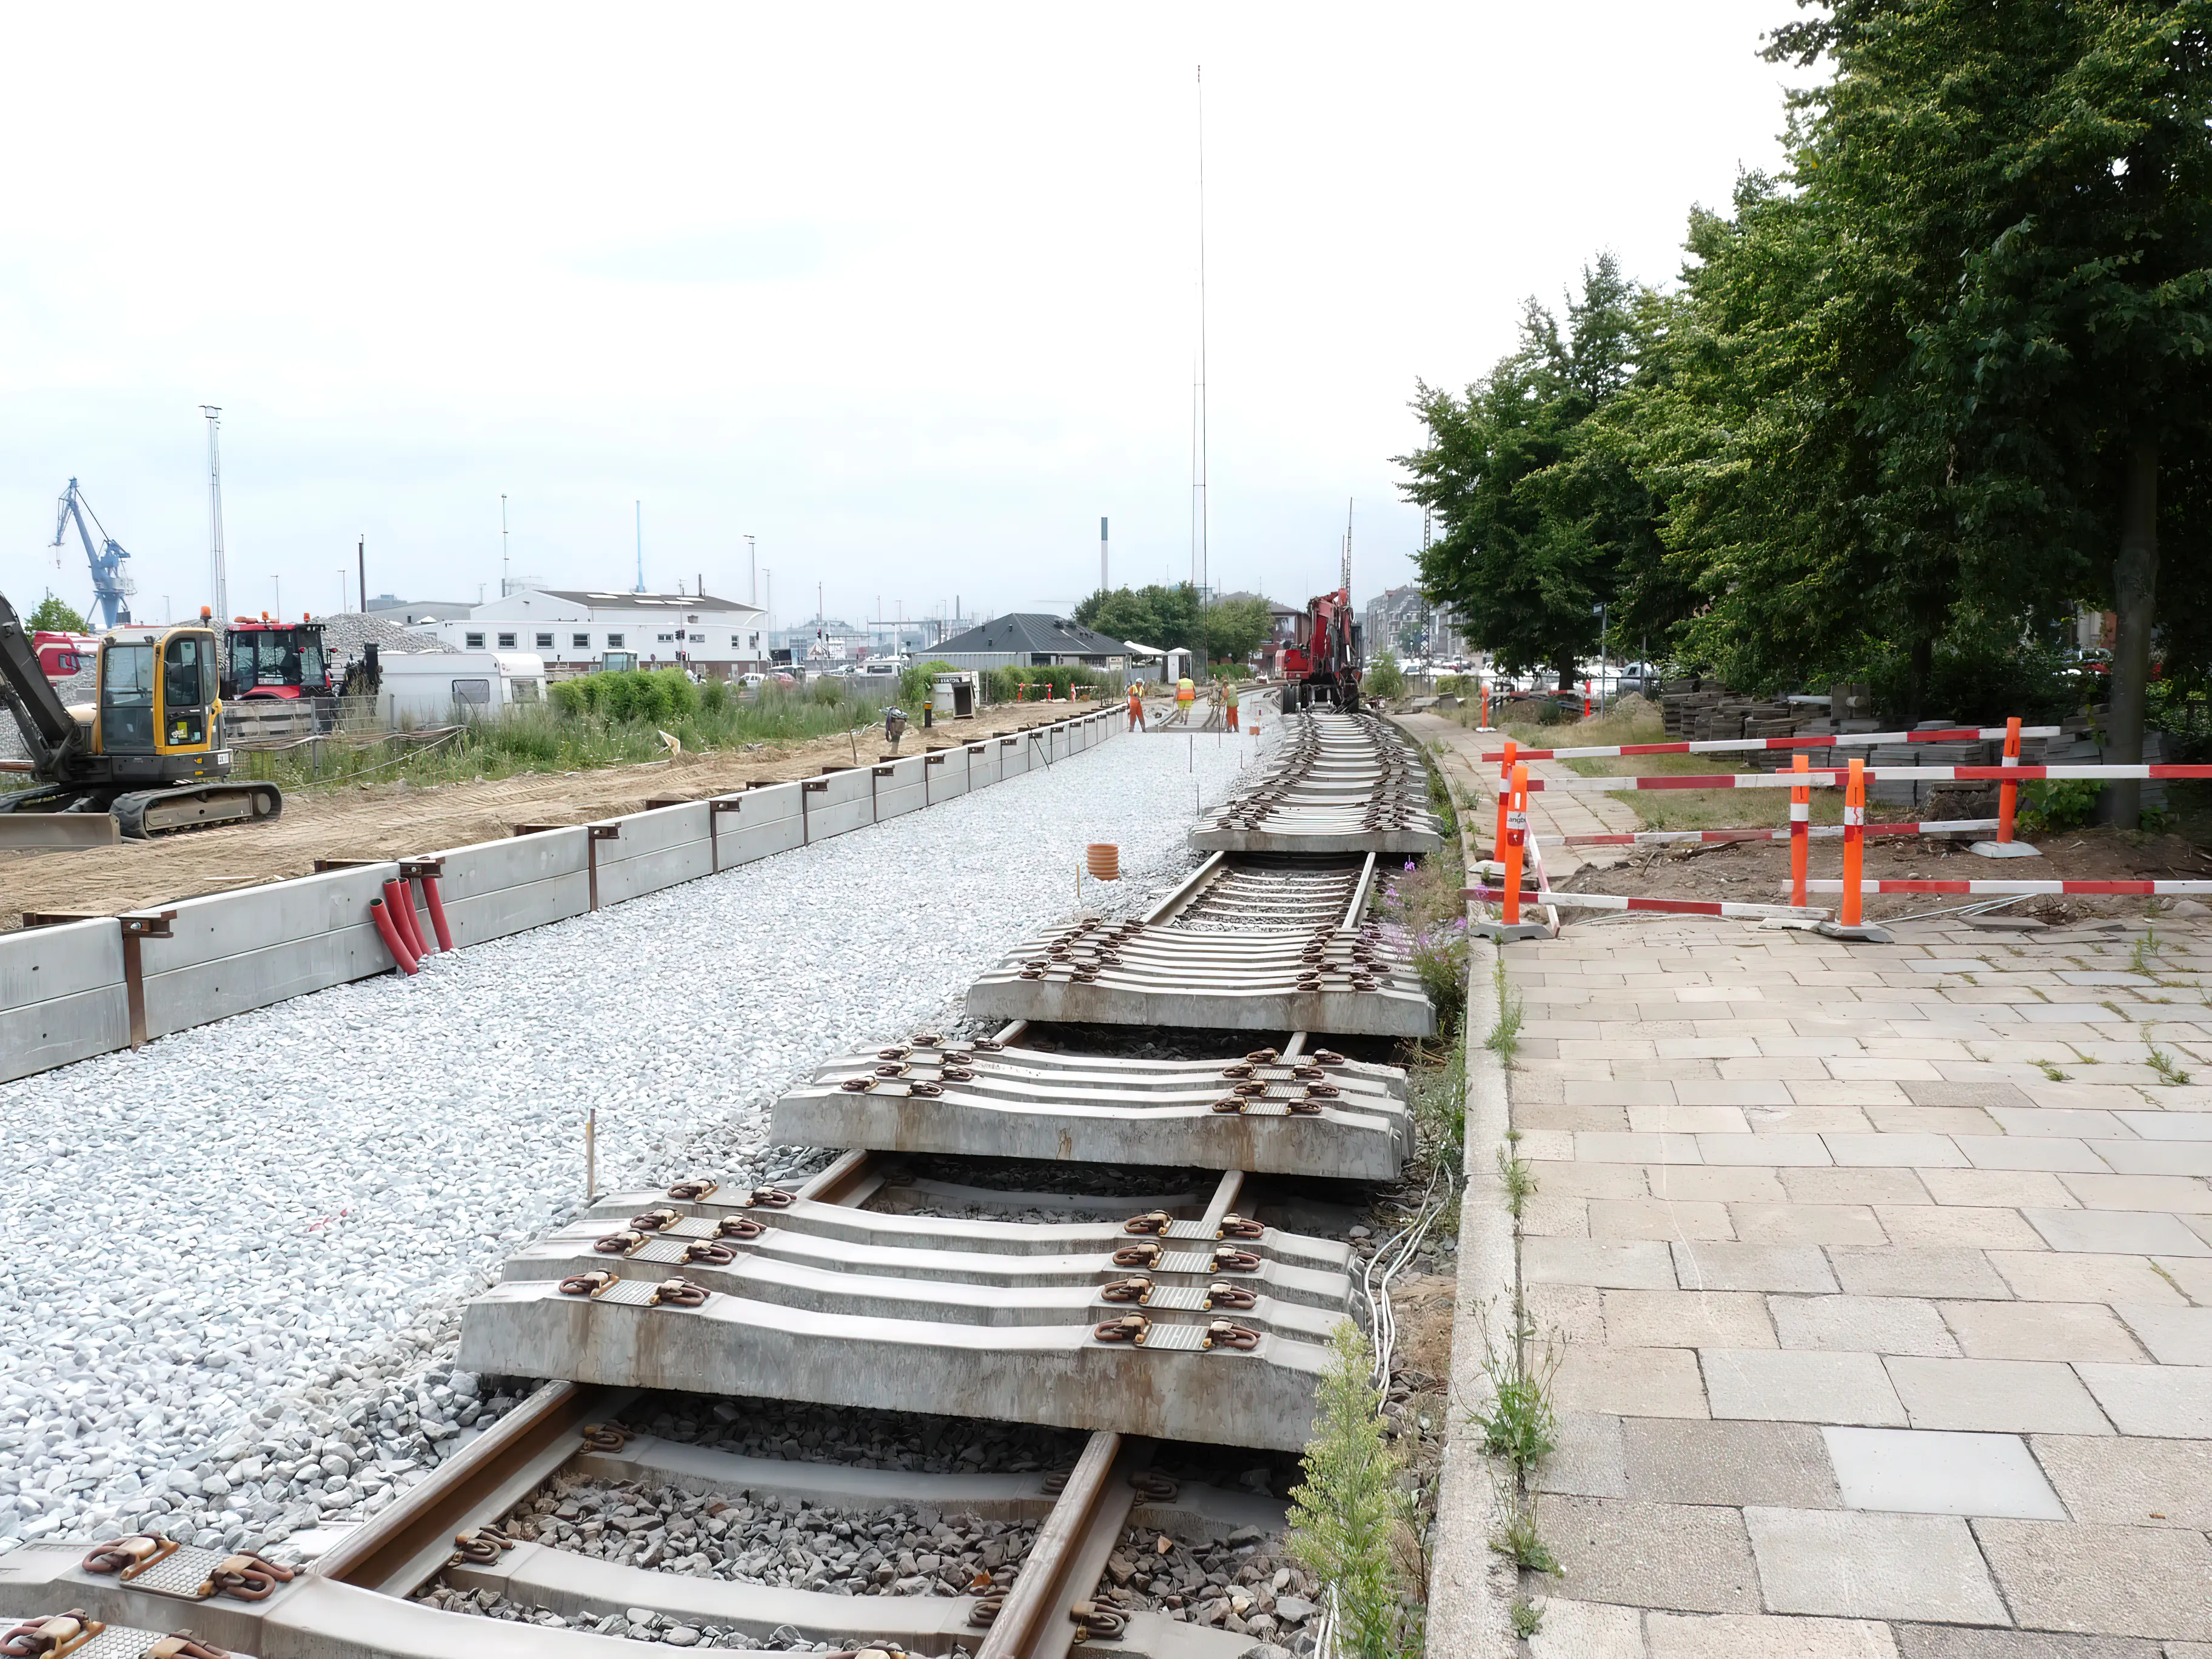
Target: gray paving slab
{"x":1965,"y":1642}
{"x":2130,"y":1482}
{"x":1852,"y":1566}
{"x":1703,"y":1266}
{"x":1587,"y":1630}
{"x":2000,"y":1396}
{"x":1928,"y":1272}
{"x":2154,"y":1399}
{"x":1928,"y":1471}
{"x":1800,"y":1386}
{"x":1612,"y":1264}
{"x":1863,"y":1324}
{"x":2104,"y":1580}
{"x":1588,"y":1459}
{"x":1733,"y":1635}
{"x":2119,"y":1232}
{"x":2040,"y":1330}
{"x":1673,"y":1461}
{"x":2175,"y":1336}
{"x":1649,"y":1555}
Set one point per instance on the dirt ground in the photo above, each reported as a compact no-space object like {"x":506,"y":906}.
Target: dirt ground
{"x":400,"y":820}
{"x":1758,"y":873}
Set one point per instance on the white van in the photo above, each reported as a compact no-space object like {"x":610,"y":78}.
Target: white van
{"x":439,"y":688}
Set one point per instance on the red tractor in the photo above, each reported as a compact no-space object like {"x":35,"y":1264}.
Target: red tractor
{"x":267,"y":658}
{"x":1322,"y":662}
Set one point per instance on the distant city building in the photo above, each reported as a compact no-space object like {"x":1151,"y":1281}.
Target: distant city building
{"x":1406,"y":623}
{"x":573,"y":630}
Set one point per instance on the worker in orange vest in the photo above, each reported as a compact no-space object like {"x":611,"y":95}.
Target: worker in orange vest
{"x":1136,"y":708}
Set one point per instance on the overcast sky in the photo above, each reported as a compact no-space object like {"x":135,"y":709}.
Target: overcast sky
{"x":908,"y":293}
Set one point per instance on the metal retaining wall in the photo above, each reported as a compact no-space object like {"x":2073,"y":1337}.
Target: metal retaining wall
{"x":64,"y":994}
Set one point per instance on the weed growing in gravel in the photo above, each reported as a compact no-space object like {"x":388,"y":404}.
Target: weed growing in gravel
{"x":1528,"y":1617}
{"x":1514,"y":1172}
{"x":1518,"y":1540}
{"x":1422,"y":902}
{"x":1346,"y":1517}
{"x":2146,"y":947}
{"x":1519,"y":1424}
{"x":1504,"y":1038}
{"x":2165,"y":1066}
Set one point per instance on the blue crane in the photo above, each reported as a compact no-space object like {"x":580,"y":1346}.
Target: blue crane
{"x":111,"y":589}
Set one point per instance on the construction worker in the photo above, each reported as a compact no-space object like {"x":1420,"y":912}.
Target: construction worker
{"x":1229,"y":700}
{"x":1136,"y":706}
{"x":1186,"y":695}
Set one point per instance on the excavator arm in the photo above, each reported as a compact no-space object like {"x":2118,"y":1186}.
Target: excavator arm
{"x":52,"y":737}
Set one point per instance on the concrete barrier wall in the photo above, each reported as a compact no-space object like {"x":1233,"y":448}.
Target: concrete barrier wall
{"x":654,"y":849}
{"x":61,"y":996}
{"x":496,"y":887}
{"x":232,"y":952}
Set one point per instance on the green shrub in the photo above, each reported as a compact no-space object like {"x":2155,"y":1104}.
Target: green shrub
{"x":1346,"y":1517}
{"x":570,"y":697}
{"x":2065,"y":804}
{"x":916,"y":683}
{"x":1006,"y":683}
{"x":1385,"y":678}
{"x":714,"y":697}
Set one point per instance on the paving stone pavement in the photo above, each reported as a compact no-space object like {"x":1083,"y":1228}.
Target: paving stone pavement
{"x":1880,"y":1283}
{"x":1880,"y":1279}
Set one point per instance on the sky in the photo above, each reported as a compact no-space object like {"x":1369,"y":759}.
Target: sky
{"x":909,"y":295}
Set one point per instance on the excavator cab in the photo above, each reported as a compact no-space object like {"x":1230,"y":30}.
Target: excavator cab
{"x":157,"y":701}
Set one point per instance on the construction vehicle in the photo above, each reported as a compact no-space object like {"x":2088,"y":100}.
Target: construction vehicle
{"x":145,"y":750}
{"x":1322,"y":664}
{"x":275,"y":679}
{"x":111,"y":589}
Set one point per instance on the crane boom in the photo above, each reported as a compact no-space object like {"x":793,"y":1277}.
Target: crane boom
{"x":111,"y":589}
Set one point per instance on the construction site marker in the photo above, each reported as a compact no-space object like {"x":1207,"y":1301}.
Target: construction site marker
{"x":1670,"y":907}
{"x":2011,"y":732}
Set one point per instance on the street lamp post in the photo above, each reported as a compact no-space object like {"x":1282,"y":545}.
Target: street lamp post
{"x":1600,"y":608}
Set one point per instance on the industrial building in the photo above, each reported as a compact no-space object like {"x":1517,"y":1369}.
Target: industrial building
{"x":573,"y":630}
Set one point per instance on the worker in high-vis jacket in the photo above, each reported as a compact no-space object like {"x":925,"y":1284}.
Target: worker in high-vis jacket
{"x":1228,"y":701}
{"x":1186,"y":695}
{"x":1136,"y":706}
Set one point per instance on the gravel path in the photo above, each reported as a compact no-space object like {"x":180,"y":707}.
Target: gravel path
{"x":224,"y":1259}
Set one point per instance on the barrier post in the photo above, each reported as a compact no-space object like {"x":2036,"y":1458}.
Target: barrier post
{"x":1586,"y":699}
{"x":1801,"y":832}
{"x":1482,"y":719}
{"x":2009,"y":794}
{"x":1517,"y":838}
{"x":1854,"y":842}
{"x":1505,"y":796}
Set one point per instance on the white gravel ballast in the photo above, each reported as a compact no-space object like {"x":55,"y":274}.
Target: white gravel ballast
{"x":212,"y":1251}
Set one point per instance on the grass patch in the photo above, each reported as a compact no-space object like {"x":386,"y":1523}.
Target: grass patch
{"x":2146,"y":947}
{"x":2165,"y":1067}
{"x":1437,"y":1090}
{"x":1422,"y":902}
{"x":1518,"y":1425}
{"x":2050,"y":1072}
{"x":1518,"y":1540}
{"x":1516,"y":1175}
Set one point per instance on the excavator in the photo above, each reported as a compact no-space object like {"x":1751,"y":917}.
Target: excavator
{"x":1322,"y":662}
{"x":144,"y":750}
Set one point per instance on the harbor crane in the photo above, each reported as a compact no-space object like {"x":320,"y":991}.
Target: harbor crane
{"x":111,"y":589}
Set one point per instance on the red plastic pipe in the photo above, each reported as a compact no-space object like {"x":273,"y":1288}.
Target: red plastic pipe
{"x":403,"y":915}
{"x":380,"y":914}
{"x":431,"y":897}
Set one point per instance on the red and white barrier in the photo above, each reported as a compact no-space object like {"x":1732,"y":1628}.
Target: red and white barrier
{"x":1750,"y":746}
{"x":1817,"y":832}
{"x":1670,"y":907}
{"x":1994,"y":889}
{"x":1830,"y":777}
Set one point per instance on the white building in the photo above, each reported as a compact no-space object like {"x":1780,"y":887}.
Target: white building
{"x":573,"y":630}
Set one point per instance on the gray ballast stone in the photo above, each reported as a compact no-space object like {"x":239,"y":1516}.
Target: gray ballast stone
{"x":1039,"y":1374}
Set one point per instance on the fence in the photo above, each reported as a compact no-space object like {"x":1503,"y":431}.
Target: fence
{"x":76,"y":986}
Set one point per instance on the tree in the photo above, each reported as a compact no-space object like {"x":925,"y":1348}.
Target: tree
{"x":52,"y":615}
{"x":1921,"y":394}
{"x":1539,"y":520}
{"x":1236,"y":627}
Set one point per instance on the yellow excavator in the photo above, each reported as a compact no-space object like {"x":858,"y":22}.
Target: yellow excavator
{"x":146,"y":751}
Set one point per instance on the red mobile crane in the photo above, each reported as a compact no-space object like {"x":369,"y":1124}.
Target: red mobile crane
{"x":1322,"y":664}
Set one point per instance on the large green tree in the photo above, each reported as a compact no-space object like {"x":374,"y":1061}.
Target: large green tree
{"x":1539,"y":519}
{"x":1948,"y":374}
{"x":53,"y":615}
{"x":1170,"y":618}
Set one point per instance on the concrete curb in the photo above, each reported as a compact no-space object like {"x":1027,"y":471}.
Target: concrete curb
{"x":1471,"y":1586}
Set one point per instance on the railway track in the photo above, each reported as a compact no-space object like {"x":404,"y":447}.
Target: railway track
{"x":1089,"y":1260}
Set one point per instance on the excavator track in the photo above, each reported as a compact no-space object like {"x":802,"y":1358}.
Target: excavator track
{"x":145,"y":813}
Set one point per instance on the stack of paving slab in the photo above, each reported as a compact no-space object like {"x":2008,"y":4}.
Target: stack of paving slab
{"x":1309,"y":1113}
{"x":757,"y":1292}
{"x":1337,"y":783}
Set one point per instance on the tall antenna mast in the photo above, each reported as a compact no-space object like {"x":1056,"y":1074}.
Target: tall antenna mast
{"x":218,"y":580}
{"x":641,"y":547}
{"x":1346,"y":582}
{"x":1101,"y":553}
{"x":503,"y":588}
{"x":1198,"y":507}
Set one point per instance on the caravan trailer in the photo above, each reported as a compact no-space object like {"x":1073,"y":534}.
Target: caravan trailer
{"x":437,"y":688}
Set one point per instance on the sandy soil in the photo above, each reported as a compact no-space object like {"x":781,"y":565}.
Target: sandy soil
{"x":1758,"y":873}
{"x":400,"y":820}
